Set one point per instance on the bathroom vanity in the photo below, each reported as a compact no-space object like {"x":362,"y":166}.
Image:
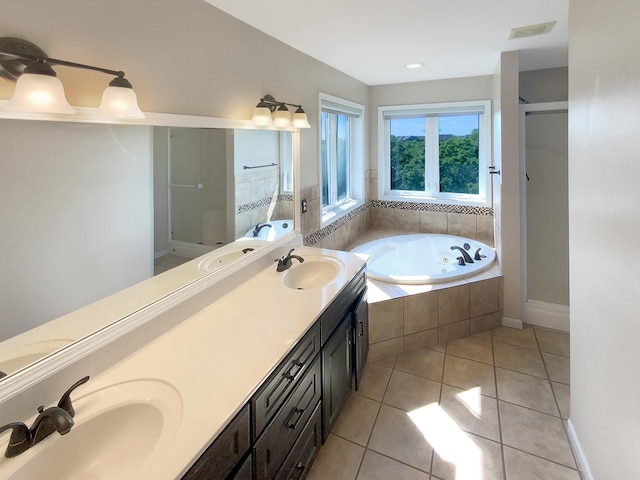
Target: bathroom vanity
{"x":278,"y":433}
{"x":245,"y":385}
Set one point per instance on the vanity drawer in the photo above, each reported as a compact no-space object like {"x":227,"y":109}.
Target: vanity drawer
{"x":275,"y":390}
{"x":221,"y":457}
{"x":299,"y":460}
{"x":278,"y":438}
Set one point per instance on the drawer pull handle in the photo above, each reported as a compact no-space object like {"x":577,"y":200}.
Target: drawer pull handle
{"x":293,"y":424}
{"x":290,"y":375}
{"x":301,"y":468}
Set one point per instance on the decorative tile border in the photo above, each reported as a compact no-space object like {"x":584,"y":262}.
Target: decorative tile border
{"x":432,"y":207}
{"x":332,"y":227}
{"x":316,"y":237}
{"x":263,"y":203}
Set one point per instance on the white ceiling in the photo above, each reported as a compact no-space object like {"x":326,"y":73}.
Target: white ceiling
{"x":373,"y":40}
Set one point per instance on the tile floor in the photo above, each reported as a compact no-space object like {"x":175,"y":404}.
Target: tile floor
{"x":489,"y":406}
{"x":167,"y":262}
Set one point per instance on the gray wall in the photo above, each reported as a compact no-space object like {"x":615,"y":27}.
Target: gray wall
{"x":604,"y":213}
{"x":184,"y":57}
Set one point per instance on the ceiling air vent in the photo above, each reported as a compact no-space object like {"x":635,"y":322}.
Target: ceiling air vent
{"x":531,"y":30}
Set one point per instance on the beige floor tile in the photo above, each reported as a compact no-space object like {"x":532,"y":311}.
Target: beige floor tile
{"x":470,"y":458}
{"x":378,"y":467}
{"x":558,"y":367}
{"x":486,"y":334}
{"x":396,"y":436}
{"x":356,"y":421}
{"x":553,"y":341}
{"x":563,"y":397}
{"x":473,"y":412}
{"x":409,"y":392}
{"x":387,"y":361}
{"x":526,"y":391}
{"x":522,"y":466}
{"x":467,"y":374}
{"x":537,"y":433}
{"x":522,"y":338}
{"x":519,"y":359}
{"x":440,"y":347}
{"x":424,"y":362}
{"x":338,"y":460}
{"x":473,"y":348}
{"x":375,"y":379}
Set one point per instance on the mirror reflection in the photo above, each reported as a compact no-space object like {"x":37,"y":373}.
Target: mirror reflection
{"x":91,"y":209}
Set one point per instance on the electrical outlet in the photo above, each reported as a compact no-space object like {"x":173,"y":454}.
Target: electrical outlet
{"x":304,"y":205}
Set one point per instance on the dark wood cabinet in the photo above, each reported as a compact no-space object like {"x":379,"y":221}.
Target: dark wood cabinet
{"x":297,"y":464}
{"x":337,"y":374}
{"x":275,"y":390}
{"x":226,"y":451}
{"x":278,"y":434}
{"x":360,"y":337}
{"x":273,"y":446}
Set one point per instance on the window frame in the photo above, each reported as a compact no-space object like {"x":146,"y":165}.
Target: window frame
{"x":431,"y":111}
{"x":355,"y":174}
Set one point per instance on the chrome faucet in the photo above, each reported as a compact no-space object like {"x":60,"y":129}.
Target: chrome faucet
{"x":256,"y":231}
{"x":285,"y":262}
{"x":467,"y":258}
{"x":53,"y":419}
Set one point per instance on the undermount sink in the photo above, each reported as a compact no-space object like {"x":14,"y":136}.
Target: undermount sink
{"x":314,"y":272}
{"x":118,"y":431}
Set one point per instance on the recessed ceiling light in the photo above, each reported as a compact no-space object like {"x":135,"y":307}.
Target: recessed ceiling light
{"x":414,"y":65}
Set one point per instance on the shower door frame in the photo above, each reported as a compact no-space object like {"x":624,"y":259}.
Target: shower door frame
{"x":541,"y":314}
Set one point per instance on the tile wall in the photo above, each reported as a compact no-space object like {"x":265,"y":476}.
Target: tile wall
{"x":258,"y":199}
{"x":420,"y":320}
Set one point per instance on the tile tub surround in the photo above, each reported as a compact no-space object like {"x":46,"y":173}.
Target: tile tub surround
{"x":403,"y":318}
{"x":501,"y":421}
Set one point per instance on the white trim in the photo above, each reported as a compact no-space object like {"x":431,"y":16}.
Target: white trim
{"x":548,"y":107}
{"x":512,"y":322}
{"x":581,"y":458}
{"x":356,"y":192}
{"x":548,"y":315}
{"x":481,"y":107}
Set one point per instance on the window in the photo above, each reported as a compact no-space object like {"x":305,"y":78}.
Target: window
{"x":341,"y":156}
{"x":437,"y":152}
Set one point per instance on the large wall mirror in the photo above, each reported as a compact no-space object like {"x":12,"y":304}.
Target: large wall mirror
{"x":93,"y":212}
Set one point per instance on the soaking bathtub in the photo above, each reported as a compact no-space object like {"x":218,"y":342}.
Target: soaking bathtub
{"x":424,"y":258}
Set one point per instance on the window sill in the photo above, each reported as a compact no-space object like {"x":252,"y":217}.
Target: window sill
{"x":330,"y":215}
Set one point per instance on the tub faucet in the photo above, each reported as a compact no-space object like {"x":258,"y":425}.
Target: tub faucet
{"x":53,"y":419}
{"x":477,"y":256}
{"x":285,"y":262}
{"x":465,"y":255}
{"x":256,"y":231}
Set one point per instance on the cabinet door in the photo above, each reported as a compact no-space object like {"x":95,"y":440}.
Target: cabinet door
{"x":361,"y":336}
{"x":336,"y":374}
{"x":225,"y":452}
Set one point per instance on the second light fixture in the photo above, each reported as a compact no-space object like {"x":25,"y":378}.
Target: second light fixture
{"x":270,"y":112}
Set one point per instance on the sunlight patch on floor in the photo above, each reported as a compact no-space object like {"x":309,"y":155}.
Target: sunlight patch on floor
{"x":449,"y":441}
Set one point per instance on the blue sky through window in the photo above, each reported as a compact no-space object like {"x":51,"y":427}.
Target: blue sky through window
{"x":452,"y":124}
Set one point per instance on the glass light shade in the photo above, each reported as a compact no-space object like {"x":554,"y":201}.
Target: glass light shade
{"x":282,"y":118}
{"x":120,"y":102}
{"x":300,"y":119}
{"x":262,"y":117}
{"x":39,"y":94}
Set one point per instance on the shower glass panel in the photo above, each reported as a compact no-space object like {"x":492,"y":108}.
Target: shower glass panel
{"x":198,"y":185}
{"x":547,"y":212}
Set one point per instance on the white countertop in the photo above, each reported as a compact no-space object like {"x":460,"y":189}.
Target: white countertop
{"x":216,"y":359}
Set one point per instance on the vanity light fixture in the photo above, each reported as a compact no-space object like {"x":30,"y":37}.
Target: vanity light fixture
{"x":270,"y":112}
{"x":38,"y":89}
{"x":414,"y":65}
